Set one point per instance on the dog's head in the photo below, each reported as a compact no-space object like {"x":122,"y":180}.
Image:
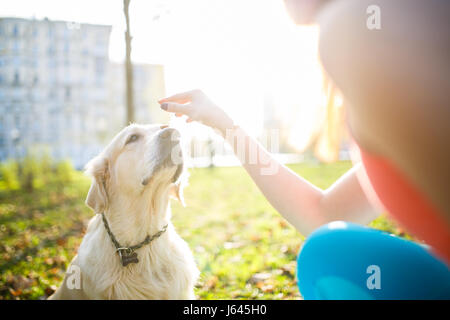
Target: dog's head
{"x":140,"y":160}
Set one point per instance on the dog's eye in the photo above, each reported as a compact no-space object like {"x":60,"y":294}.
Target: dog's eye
{"x":132,"y":138}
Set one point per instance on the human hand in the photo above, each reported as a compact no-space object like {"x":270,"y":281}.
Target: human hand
{"x":197,"y":106}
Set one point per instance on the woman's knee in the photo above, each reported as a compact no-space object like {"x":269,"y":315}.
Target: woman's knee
{"x":345,"y":261}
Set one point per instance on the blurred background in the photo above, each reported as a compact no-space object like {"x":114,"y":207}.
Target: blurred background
{"x":63,"y":81}
{"x":74,"y":73}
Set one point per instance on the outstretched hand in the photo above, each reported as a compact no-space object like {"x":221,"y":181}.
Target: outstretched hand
{"x":197,"y":106}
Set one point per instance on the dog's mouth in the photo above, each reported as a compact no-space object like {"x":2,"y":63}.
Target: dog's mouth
{"x":165,"y":165}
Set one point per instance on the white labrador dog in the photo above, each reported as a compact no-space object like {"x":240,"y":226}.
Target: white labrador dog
{"x":131,"y":250}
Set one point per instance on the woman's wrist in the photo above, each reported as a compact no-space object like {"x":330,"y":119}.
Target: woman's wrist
{"x":224,"y":123}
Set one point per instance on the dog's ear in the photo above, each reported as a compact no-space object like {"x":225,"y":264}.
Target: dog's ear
{"x":176,"y":191}
{"x":97,"y":198}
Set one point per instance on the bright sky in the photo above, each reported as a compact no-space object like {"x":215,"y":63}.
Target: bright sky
{"x":237,"y":51}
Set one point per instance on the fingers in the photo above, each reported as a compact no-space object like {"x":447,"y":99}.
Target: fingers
{"x":178,"y":108}
{"x":182,"y":97}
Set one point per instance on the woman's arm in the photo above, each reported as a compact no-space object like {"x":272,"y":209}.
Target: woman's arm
{"x":305,"y":206}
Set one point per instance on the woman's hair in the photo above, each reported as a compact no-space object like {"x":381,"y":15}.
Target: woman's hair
{"x":327,"y":143}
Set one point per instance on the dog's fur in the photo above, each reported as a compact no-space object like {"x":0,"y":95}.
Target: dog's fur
{"x":131,"y":184}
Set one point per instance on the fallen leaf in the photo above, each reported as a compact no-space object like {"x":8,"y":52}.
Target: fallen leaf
{"x":268,"y":288}
{"x":259,"y":277}
{"x":15,"y":293}
{"x":50,"y":290}
{"x":211,"y":282}
{"x":232,"y":245}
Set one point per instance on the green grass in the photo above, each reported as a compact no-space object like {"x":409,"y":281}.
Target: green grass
{"x":243,"y":248}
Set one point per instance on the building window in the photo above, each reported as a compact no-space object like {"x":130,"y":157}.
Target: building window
{"x":52,"y":94}
{"x":16,"y":78}
{"x":15,"y":30}
{"x":51,"y":50}
{"x":67,"y":93}
{"x":17,"y":121}
{"x":100,"y":70}
{"x":52,"y":63}
{"x":99,"y":66}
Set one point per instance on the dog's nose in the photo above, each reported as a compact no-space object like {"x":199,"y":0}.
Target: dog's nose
{"x":170,"y":134}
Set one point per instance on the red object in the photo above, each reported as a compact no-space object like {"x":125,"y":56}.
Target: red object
{"x":410,"y":207}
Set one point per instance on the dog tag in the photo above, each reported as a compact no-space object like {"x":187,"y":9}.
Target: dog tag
{"x":127,"y":256}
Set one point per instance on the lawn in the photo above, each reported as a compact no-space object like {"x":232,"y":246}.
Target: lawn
{"x":243,"y":248}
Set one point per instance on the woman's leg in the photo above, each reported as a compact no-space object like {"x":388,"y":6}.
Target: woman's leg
{"x":346,"y":261}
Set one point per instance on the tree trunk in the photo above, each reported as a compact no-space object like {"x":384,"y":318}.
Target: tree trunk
{"x":128,"y":66}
